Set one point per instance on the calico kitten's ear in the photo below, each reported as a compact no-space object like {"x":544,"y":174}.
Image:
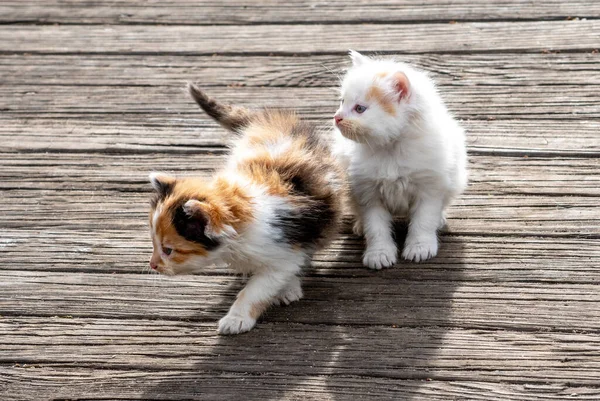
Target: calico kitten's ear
{"x":163,"y":184}
{"x":357,"y":58}
{"x":401,"y":85}
{"x":212,"y":216}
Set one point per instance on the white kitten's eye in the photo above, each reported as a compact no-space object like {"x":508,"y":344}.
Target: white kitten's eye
{"x":359,"y":108}
{"x":167,"y":251}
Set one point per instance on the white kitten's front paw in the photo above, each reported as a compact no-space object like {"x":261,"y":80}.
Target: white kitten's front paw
{"x":380,"y":256}
{"x":291,"y":293}
{"x":421,"y":249}
{"x":235,"y":324}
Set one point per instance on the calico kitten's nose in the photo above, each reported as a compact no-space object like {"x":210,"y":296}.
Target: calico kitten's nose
{"x":337,"y":119}
{"x":153,"y":265}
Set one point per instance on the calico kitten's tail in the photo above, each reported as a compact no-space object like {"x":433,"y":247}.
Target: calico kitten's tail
{"x":230,"y":117}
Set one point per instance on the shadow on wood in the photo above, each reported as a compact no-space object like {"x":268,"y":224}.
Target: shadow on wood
{"x":377,"y":336}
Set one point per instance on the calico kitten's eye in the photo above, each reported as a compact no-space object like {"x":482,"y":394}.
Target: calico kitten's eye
{"x":167,"y":251}
{"x":359,"y":109}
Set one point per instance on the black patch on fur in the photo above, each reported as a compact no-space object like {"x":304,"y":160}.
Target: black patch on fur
{"x":305,"y":226}
{"x":161,"y":192}
{"x":192,"y":228}
{"x":298,"y":185}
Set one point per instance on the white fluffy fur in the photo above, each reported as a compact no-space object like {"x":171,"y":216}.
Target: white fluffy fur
{"x":413,"y":163}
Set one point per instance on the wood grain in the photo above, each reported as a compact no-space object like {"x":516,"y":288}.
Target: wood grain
{"x":560,"y":307}
{"x":321,"y":350}
{"x":238,"y":12}
{"x":174,"y":134}
{"x":123,"y":173}
{"x":534,"y":37}
{"x":471,"y":70}
{"x":123,"y":384}
{"x":461,"y":258}
{"x":554,"y":102}
{"x":91,"y":100}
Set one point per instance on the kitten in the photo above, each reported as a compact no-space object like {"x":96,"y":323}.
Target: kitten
{"x":275,"y":203}
{"x":404,"y":152}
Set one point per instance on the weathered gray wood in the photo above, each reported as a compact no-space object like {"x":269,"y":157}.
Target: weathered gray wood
{"x":380,"y":300}
{"x":301,"y":349}
{"x":147,"y":134}
{"x":297,"y":11}
{"x":81,"y":171}
{"x":449,"y":71}
{"x":509,"y":310}
{"x":477,"y":215}
{"x":266,"y":39}
{"x":68,"y":382}
{"x":464,"y":258}
{"x":553,"y":102}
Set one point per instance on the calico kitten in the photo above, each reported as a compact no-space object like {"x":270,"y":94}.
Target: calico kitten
{"x":275,"y":203}
{"x":404,"y":152}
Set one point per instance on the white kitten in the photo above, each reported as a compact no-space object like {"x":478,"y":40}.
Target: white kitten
{"x":404,"y":152}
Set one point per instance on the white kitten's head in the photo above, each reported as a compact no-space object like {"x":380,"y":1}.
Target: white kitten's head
{"x":376,"y":101}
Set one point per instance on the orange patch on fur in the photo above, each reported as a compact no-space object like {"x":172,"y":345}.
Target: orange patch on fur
{"x":382,"y":74}
{"x":223,"y":203}
{"x":375,"y":93}
{"x":262,"y":170}
{"x":270,"y":126}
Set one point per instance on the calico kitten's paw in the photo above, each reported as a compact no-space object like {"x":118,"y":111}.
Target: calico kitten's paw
{"x":421,"y":249}
{"x":357,"y":228}
{"x":291,"y":293}
{"x":235,"y":324}
{"x":379,"y":257}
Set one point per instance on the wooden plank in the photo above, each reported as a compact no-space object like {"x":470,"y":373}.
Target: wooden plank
{"x":577,"y":35}
{"x":111,"y":192}
{"x":479,"y":70}
{"x":148,"y":134}
{"x":461,"y":258}
{"x":570,"y":102}
{"x":124,"y":384}
{"x":490,"y":176}
{"x":534,"y":357}
{"x":477,"y":215}
{"x":379,"y":300}
{"x":238,"y":12}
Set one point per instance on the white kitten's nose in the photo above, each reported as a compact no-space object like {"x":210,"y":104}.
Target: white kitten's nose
{"x":337,"y":118}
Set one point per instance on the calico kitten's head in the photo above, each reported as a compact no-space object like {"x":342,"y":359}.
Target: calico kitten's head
{"x":188,"y":224}
{"x":376,"y":101}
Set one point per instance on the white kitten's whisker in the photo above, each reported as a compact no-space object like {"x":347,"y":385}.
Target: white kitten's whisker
{"x":337,"y":74}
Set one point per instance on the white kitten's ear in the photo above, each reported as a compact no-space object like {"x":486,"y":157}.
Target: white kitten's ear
{"x":162,"y":183}
{"x":401,"y":85}
{"x":210,"y":216}
{"x":357,"y":58}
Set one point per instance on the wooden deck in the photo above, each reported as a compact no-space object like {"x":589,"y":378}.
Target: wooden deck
{"x":91,"y":100}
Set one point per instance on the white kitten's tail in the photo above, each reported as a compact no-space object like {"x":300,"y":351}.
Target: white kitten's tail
{"x":231,"y":117}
